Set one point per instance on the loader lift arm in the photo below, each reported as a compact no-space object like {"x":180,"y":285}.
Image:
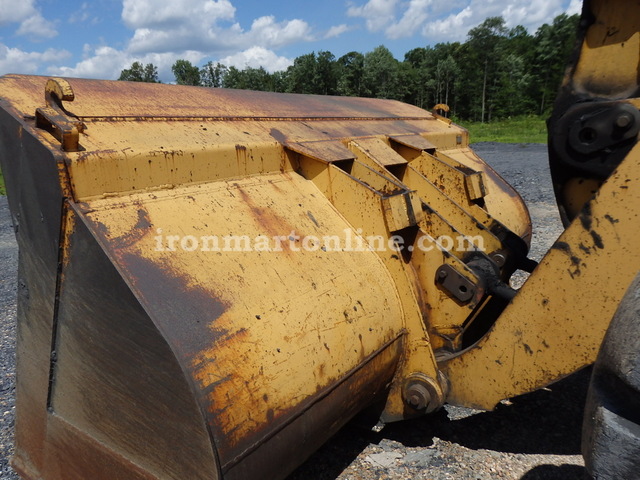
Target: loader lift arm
{"x":555,"y":324}
{"x":594,"y":128}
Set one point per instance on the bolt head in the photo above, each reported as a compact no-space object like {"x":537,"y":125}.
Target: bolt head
{"x":499,"y":258}
{"x":624,"y":120}
{"x":418,"y":396}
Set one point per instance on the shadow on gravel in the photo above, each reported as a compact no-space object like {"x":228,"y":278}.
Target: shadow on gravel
{"x":553,"y":472}
{"x":543,"y":422}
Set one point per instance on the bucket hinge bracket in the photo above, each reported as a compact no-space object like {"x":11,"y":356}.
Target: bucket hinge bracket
{"x":55,"y":119}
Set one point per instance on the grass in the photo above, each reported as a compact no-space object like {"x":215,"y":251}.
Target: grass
{"x":524,"y":129}
{"x":3,"y":191}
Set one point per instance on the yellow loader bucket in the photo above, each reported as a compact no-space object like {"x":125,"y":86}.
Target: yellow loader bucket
{"x":212,"y":282}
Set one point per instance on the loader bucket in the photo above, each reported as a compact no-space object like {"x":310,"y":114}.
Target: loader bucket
{"x":210,"y":281}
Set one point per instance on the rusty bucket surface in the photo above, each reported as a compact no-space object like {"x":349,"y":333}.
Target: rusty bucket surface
{"x":190,"y":305}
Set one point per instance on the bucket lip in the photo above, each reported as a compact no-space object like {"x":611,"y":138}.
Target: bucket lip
{"x":111,"y":98}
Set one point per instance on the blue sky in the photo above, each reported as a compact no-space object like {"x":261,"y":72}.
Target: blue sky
{"x":97,"y":39}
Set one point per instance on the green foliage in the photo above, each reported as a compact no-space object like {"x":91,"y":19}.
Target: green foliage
{"x":512,"y":84}
{"x":313,"y":73}
{"x":553,"y":45}
{"x":140,"y":73}
{"x":485,"y":42}
{"x":381,"y":74}
{"x":3,"y":190}
{"x":186,"y":73}
{"x":522,"y":129}
{"x":248,"y":79}
{"x":213,"y":75}
{"x":302,"y":75}
{"x":350,"y":68}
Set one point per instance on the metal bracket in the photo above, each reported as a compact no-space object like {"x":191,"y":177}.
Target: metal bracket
{"x":55,"y":119}
{"x":475,"y":185}
{"x":455,"y":283}
{"x":402,"y":210}
{"x":590,"y":139}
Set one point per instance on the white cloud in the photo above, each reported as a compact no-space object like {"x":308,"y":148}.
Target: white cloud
{"x":175,"y":25}
{"x":378,"y":14}
{"x":162,"y":13}
{"x":83,"y":15}
{"x":194,"y":30}
{"x":337,"y":30}
{"x":268,"y":32}
{"x":450,"y":20}
{"x":574,"y":7}
{"x":162,"y":31}
{"x":203,"y":25}
{"x":37,"y":26}
{"x":31,"y":21}
{"x":452,"y":27}
{"x":530,"y":13}
{"x":106,"y":62}
{"x":257,"y":57}
{"x":14,"y":60}
{"x":413,"y":18}
{"x":14,"y":12}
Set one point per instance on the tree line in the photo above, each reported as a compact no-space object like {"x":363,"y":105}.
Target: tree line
{"x":497,"y":72}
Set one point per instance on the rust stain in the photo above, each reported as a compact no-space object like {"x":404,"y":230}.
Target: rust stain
{"x":209,"y":388}
{"x":276,"y":187}
{"x":264,"y":216}
{"x":332,"y":403}
{"x":187,"y":312}
{"x":167,"y":153}
{"x":241,"y":154}
{"x":140,"y":229}
{"x":95,"y":155}
{"x":390,"y":190}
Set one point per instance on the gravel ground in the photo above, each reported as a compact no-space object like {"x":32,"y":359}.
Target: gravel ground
{"x":532,"y":437}
{"x":8,"y":292}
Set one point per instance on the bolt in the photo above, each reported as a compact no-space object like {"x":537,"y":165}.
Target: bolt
{"x":418,"y":396}
{"x":624,"y":120}
{"x":442,"y":274}
{"x":499,"y":258}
